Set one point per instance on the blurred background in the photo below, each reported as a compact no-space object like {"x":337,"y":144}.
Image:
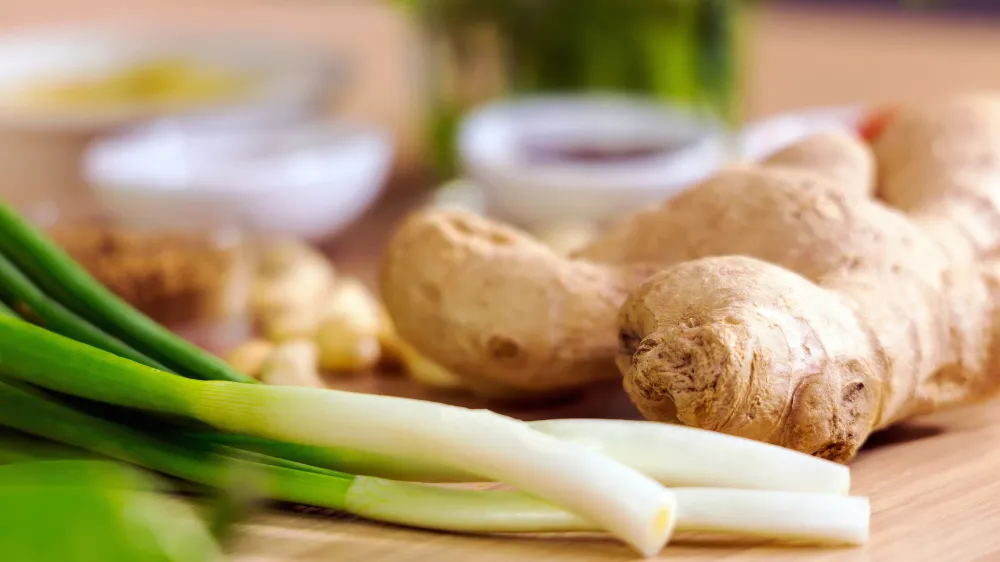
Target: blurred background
{"x":165,"y":143}
{"x":162,"y":142}
{"x":792,"y":53}
{"x":410,"y":68}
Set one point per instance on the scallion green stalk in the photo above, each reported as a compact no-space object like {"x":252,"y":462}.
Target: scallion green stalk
{"x":64,"y":280}
{"x":96,"y":510}
{"x":823,"y":518}
{"x":17,"y":290}
{"x":344,"y":460}
{"x":7,"y":311}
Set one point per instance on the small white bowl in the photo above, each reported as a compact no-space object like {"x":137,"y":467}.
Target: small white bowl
{"x":538,"y":195}
{"x":41,"y":145}
{"x":493,"y":139}
{"x":760,"y":138}
{"x":281,"y":75}
{"x":309,"y":180}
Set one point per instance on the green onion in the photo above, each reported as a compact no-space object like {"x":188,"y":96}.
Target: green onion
{"x":93,"y":510}
{"x":636,"y":508}
{"x":17,"y":291}
{"x":16,"y":446}
{"x":812,"y":517}
{"x":673,"y":455}
{"x":7,"y":311}
{"x":806,"y":517}
{"x":67,"y":282}
{"x":396,"y":502}
{"x":686,"y":456}
{"x":345,"y":460}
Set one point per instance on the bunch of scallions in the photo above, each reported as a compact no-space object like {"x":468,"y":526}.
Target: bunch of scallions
{"x":80,"y":367}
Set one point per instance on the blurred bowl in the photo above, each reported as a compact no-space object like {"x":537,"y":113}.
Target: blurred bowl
{"x":760,"y":138}
{"x":656,"y":152}
{"x":304,"y":179}
{"x":279,"y":76}
{"x":41,"y":143}
{"x":542,"y":160}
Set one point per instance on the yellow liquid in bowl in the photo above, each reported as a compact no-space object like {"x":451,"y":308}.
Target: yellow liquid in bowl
{"x":154,"y":84}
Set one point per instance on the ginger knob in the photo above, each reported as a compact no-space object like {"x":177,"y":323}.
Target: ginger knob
{"x":348,"y":335}
{"x":249,"y":357}
{"x":293,"y":363}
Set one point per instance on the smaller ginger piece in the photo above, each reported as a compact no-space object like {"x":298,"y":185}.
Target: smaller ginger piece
{"x":299,"y":297}
{"x":293,"y":363}
{"x":419,"y":368}
{"x":349,"y":334}
{"x":292,"y":279}
{"x":250,"y":356}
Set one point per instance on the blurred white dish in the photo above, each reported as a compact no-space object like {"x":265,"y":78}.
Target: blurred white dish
{"x":537,"y":194}
{"x":41,"y":143}
{"x":762,"y":137}
{"x":281,"y":76}
{"x":496,"y":144}
{"x":302,"y":179}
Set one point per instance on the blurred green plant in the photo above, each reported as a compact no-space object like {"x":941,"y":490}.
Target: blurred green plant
{"x":95,"y":511}
{"x":683,"y":52}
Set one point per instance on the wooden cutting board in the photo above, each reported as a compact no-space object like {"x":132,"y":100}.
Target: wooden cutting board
{"x":934,"y":486}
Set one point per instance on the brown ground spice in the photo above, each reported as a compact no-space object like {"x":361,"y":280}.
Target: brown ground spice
{"x":174,"y":278}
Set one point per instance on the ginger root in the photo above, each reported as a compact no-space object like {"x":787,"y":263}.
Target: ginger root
{"x":291,"y":276}
{"x":249,"y":357}
{"x":298,"y":296}
{"x":418,"y":367}
{"x":292,"y":363}
{"x":790,"y":306}
{"x":292,"y":279}
{"x":566,"y":237}
{"x":492,"y":304}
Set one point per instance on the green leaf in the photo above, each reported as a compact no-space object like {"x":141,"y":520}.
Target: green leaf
{"x":95,"y":511}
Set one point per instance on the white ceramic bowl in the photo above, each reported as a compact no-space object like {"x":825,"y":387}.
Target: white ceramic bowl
{"x":492,"y":143}
{"x":762,"y":137}
{"x":303,"y":179}
{"x":539,"y":195}
{"x":282,"y":76}
{"x":41,"y":147}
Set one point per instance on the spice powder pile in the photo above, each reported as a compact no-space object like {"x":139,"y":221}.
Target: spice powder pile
{"x":175,"y":278}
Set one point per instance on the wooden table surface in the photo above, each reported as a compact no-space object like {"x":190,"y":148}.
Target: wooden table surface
{"x":934,"y":484}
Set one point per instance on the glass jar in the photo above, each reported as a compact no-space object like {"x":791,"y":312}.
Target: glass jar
{"x":679,"y":52}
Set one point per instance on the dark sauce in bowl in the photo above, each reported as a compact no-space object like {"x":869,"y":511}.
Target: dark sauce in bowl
{"x":581,"y":153}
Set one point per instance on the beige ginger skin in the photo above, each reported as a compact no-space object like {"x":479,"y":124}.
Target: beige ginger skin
{"x":490,"y":303}
{"x":785,"y":303}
